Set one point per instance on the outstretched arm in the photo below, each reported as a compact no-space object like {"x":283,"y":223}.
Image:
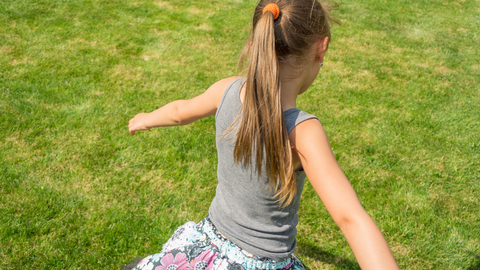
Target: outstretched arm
{"x":182,"y":112}
{"x":364,"y":237}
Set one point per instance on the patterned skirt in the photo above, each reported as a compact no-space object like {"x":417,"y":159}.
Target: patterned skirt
{"x":201,"y":247}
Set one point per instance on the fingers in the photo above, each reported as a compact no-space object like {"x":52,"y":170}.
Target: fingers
{"x":130,"y":127}
{"x":136,"y":123}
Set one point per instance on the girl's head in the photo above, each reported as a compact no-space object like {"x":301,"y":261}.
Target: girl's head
{"x":299,"y":25}
{"x":292,"y":35}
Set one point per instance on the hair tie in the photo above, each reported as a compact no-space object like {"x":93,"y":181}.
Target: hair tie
{"x":272,"y":8}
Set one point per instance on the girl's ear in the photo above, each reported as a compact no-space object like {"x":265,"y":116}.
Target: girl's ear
{"x":322,"y":45}
{"x":320,"y":48}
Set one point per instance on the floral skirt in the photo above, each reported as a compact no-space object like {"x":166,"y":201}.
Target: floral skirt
{"x":201,"y":247}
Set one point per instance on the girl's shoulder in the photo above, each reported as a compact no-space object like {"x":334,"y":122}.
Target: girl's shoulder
{"x":217,"y":90}
{"x":213,"y":95}
{"x":220,"y":86}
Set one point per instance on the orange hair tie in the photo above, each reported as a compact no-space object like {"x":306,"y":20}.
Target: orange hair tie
{"x":272,"y":8}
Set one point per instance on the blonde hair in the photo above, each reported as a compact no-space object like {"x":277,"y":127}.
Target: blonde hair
{"x":262,"y":131}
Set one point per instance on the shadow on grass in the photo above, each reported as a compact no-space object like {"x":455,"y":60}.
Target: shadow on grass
{"x":476,"y":265}
{"x":314,"y":252}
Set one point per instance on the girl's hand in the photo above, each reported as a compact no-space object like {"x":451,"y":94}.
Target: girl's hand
{"x":137,"y":123}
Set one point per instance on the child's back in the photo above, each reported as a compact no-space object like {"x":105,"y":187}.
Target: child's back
{"x":244,"y":208}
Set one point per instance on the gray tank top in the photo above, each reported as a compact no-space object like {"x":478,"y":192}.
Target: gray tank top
{"x":244,"y":209}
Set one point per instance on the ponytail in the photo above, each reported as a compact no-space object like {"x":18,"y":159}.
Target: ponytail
{"x":262,"y":128}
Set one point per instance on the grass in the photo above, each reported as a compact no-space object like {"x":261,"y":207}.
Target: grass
{"x":399,"y":97}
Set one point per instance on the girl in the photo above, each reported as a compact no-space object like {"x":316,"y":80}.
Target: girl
{"x":265,"y":147}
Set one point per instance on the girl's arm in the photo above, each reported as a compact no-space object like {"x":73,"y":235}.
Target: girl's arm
{"x":182,"y":112}
{"x":364,"y":237}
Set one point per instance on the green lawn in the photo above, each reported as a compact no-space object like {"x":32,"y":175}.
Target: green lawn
{"x":399,"y":96}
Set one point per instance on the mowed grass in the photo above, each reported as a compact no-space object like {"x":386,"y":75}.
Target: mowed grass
{"x":399,"y":97}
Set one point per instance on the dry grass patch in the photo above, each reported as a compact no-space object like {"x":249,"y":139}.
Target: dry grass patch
{"x":400,"y":250}
{"x":419,"y":34}
{"x":164,"y":5}
{"x":122,"y":72}
{"x":443,"y":70}
{"x":6,"y":49}
{"x":195,"y":11}
{"x":160,"y":50}
{"x":337,"y":68}
{"x":352,"y":160}
{"x":416,"y":201}
{"x":205,"y":27}
{"x":317,"y":264}
{"x":23,"y":61}
{"x":20,"y":150}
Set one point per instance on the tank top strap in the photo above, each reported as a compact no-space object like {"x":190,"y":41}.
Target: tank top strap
{"x":231,"y":96}
{"x":295,"y":116}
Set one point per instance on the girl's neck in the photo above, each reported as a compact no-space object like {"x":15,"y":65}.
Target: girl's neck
{"x":294,"y":81}
{"x":289,"y":95}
